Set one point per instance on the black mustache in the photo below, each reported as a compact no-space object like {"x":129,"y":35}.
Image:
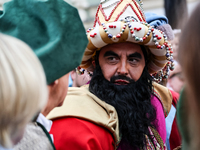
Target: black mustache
{"x":118,"y":77}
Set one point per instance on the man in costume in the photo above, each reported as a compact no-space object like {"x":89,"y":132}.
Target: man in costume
{"x":45,"y":27}
{"x":122,"y":108}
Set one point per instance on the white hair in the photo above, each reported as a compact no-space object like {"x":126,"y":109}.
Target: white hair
{"x":23,"y":88}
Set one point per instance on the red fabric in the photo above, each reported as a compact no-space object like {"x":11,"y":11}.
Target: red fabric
{"x":78,"y":134}
{"x":175,"y":138}
{"x":175,"y":98}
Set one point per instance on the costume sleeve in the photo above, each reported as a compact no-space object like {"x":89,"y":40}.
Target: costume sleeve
{"x":77,"y":134}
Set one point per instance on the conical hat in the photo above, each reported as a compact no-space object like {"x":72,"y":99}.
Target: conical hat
{"x":124,"y":21}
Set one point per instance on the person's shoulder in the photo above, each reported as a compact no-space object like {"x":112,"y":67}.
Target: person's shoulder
{"x":162,"y":91}
{"x":34,"y":134}
{"x":81,"y":103}
{"x":76,"y":99}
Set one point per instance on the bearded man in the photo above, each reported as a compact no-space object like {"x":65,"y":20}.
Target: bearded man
{"x":122,"y":108}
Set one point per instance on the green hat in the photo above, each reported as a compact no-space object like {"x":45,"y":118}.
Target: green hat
{"x":52,"y":28}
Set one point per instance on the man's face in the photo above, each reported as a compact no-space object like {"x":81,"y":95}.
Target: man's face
{"x":125,"y":59}
{"x":117,"y":67}
{"x":176,"y":80}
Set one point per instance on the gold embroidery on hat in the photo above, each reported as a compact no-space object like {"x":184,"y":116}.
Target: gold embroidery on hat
{"x":90,"y":44}
{"x":148,"y":38}
{"x":104,"y":36}
{"x":124,"y":36}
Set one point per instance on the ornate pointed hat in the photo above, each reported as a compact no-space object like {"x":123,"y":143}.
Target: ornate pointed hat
{"x":124,"y":21}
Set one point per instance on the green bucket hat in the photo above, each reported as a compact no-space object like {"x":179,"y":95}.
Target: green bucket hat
{"x":52,"y":28}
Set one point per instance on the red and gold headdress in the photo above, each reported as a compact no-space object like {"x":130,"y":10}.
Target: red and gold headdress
{"x":124,"y":21}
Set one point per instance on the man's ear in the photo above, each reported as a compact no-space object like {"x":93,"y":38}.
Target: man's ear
{"x":53,"y":86}
{"x":93,"y":63}
{"x":53,"y":83}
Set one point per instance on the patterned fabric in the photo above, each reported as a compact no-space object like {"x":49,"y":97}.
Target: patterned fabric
{"x":154,"y":143}
{"x":157,"y":140}
{"x":34,"y":139}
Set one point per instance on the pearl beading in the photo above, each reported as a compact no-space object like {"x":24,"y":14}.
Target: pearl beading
{"x":110,"y":4}
{"x":140,"y":9}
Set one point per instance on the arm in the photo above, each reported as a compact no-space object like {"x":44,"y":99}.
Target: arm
{"x":77,"y":134}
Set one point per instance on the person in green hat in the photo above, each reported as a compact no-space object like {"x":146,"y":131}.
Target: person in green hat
{"x":53,"y":29}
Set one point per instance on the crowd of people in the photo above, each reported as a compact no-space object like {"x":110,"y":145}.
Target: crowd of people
{"x":116,"y":101}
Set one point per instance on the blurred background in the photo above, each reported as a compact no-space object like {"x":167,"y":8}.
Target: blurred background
{"x":87,"y":8}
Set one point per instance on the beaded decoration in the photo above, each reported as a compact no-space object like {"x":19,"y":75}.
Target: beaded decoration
{"x":164,"y":73}
{"x":141,"y":3}
{"x":81,"y":71}
{"x":139,"y":31}
{"x":116,"y":19}
{"x":110,"y":4}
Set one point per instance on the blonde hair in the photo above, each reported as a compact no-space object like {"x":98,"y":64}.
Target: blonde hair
{"x":23,"y":88}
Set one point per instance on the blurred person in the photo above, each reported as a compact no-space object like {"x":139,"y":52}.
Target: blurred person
{"x":177,"y":12}
{"x":160,"y":23}
{"x":175,"y":43}
{"x":111,"y":112}
{"x":52,"y":32}
{"x":189,"y":104}
{"x":23,"y":91}
{"x":173,"y":138}
{"x":176,"y":80}
{"x":80,"y":77}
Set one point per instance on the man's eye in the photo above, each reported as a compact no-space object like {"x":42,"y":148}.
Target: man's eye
{"x":112,"y":60}
{"x":133,"y":61}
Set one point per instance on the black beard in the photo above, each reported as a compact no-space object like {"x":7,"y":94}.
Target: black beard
{"x":132,"y":103}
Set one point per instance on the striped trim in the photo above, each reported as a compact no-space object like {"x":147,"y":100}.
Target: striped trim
{"x":158,"y":57}
{"x":157,"y":63}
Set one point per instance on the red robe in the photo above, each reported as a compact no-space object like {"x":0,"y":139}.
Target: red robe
{"x":79,"y":134}
{"x":175,"y":139}
{"x":91,"y":136}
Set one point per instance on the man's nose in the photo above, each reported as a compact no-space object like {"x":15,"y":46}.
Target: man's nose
{"x":122,"y":68}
